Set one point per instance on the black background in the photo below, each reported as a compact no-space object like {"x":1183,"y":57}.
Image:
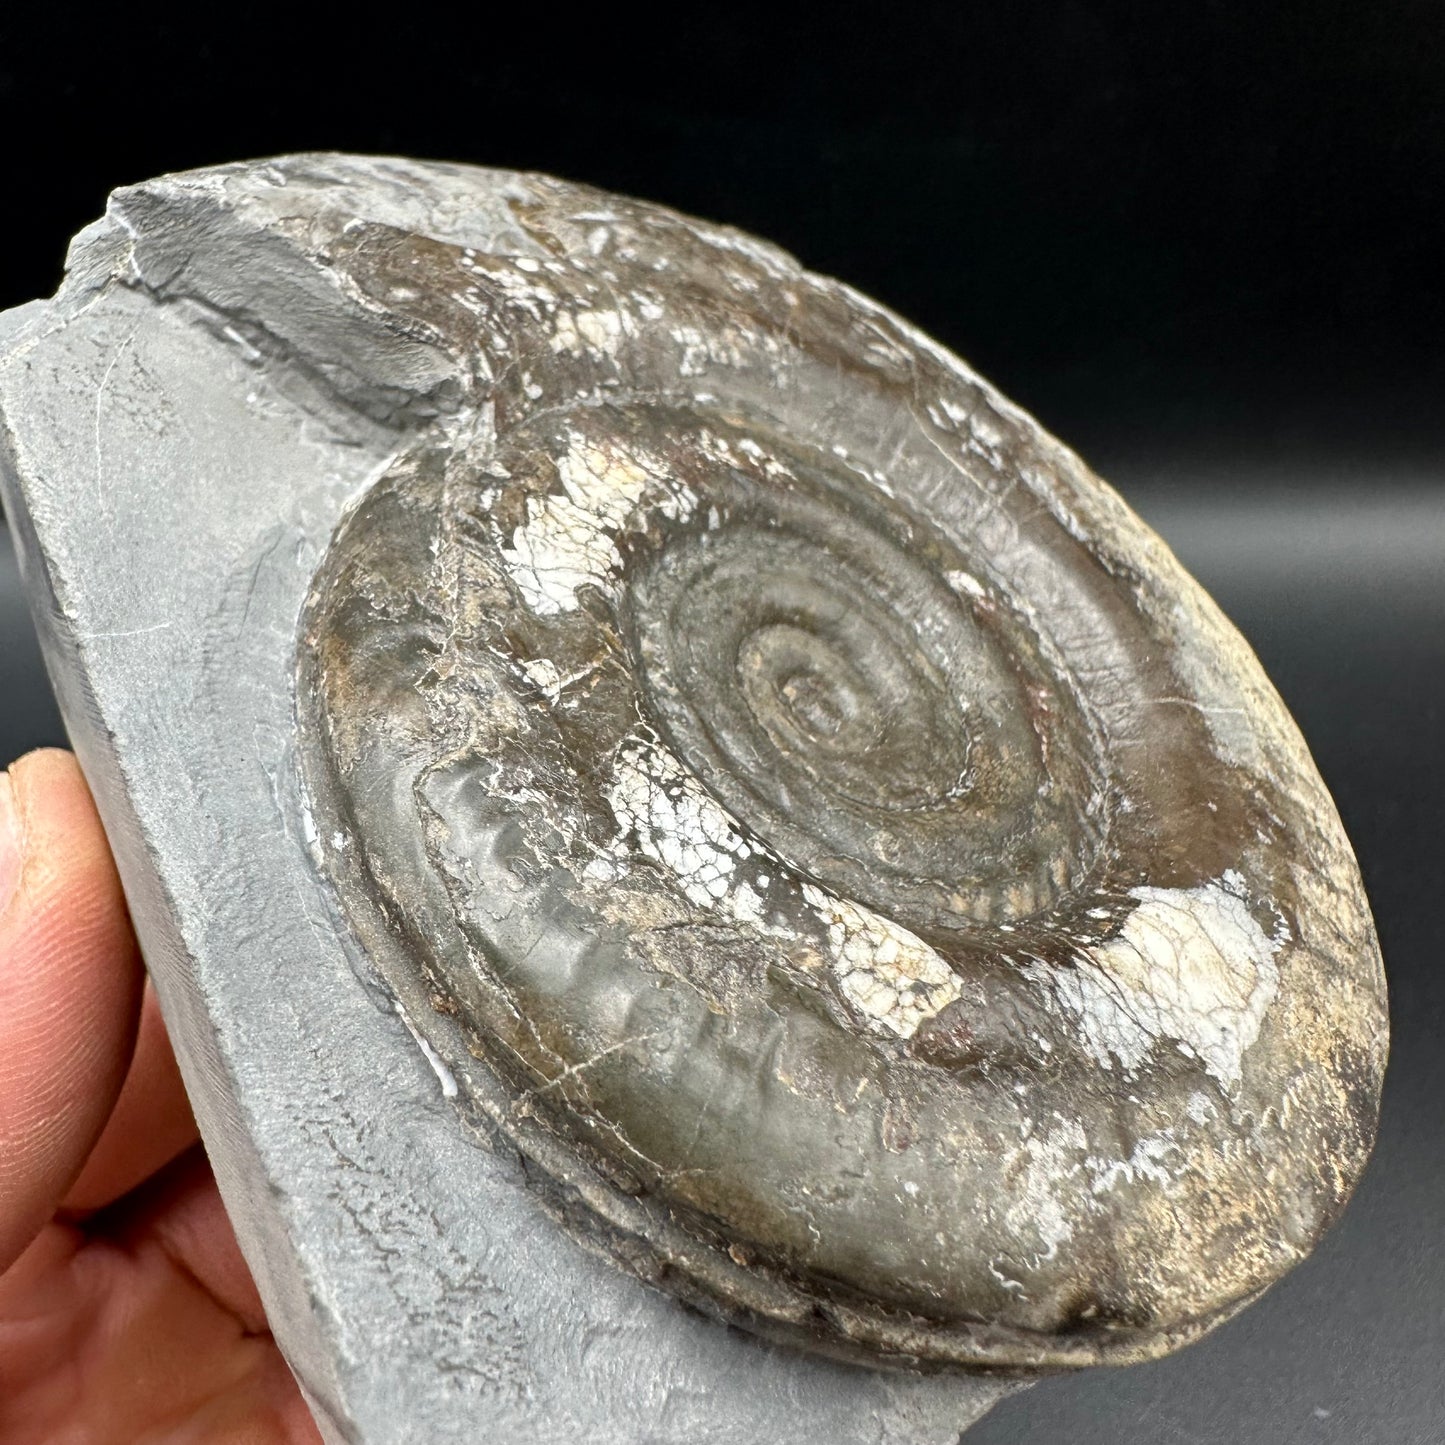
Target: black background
{"x":1203,"y":244}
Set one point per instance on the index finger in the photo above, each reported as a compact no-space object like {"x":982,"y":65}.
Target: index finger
{"x":70,"y":989}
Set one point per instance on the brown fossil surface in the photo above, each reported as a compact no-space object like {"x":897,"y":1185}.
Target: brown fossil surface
{"x":884,"y":899}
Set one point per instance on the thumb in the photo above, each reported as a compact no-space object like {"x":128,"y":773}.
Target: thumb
{"x":70,"y":989}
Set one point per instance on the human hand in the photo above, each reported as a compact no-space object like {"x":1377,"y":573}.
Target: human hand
{"x":126,"y":1310}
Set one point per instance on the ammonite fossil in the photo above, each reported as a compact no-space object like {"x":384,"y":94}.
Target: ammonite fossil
{"x":884,"y":901}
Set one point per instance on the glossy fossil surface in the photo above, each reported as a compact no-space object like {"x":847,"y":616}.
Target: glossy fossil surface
{"x":884,"y":899}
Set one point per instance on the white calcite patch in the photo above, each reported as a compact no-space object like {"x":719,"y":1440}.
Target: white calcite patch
{"x":678,"y":824}
{"x":965,"y":584}
{"x":891,"y":977}
{"x":1047,"y":1165}
{"x":1155,"y":1157}
{"x":585,"y":331}
{"x":543,"y":675}
{"x":1191,"y":968}
{"x":569,"y":540}
{"x":894,"y":979}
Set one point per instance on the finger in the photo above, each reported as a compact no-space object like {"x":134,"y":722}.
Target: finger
{"x":181,"y":1215}
{"x":132,"y":1332}
{"x":150,"y":1125}
{"x":70,"y":989}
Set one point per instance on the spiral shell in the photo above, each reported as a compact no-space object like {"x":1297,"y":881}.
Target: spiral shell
{"x":881,"y":897}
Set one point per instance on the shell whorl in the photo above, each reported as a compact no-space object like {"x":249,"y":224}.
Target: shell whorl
{"x":871,"y":881}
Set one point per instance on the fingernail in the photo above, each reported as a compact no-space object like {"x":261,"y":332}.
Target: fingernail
{"x":11,"y":852}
